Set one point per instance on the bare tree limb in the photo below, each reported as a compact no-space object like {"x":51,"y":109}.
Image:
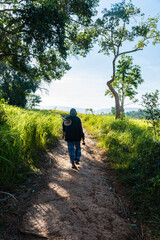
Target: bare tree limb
{"x":131,"y":51}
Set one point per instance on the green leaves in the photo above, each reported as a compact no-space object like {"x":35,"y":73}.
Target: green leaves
{"x":127,"y":79}
{"x":119,"y":25}
{"x":5,"y":159}
{"x":150,"y":102}
{"x":124,"y":22}
{"x":16,"y":86}
{"x":31,"y":29}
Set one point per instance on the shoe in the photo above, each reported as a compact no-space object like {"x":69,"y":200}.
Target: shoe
{"x":77,"y":161}
{"x":74,"y":166}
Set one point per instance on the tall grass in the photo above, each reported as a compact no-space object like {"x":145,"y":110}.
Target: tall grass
{"x":135,"y":154}
{"x":23,"y":134}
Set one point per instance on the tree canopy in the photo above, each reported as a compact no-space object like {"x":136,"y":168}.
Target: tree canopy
{"x":124,"y":23}
{"x":151,"y":104}
{"x":127,"y":79}
{"x":36,"y":36}
{"x":16,"y":87}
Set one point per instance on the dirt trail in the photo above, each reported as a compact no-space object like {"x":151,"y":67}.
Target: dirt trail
{"x":77,"y":205}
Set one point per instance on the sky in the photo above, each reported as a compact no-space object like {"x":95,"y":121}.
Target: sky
{"x":84,"y":85}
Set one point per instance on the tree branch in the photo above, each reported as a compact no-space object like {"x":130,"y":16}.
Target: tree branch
{"x":15,"y":30}
{"x":6,"y":32}
{"x":2,"y":55}
{"x":6,"y":10}
{"x":131,"y":51}
{"x":8,"y":3}
{"x":91,"y":25}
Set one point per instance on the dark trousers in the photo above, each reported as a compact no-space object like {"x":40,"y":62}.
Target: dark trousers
{"x":74,"y":149}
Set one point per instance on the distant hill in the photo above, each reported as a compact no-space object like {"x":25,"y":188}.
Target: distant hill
{"x":83,"y":110}
{"x":62,"y":108}
{"x":108,"y":110}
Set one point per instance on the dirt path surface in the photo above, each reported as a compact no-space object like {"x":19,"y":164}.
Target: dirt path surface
{"x":76,"y":204}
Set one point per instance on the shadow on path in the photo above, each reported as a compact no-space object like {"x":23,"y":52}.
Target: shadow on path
{"x":76,"y":204}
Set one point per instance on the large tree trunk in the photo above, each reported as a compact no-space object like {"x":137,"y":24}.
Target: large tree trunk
{"x":117,"y":105}
{"x":115,"y":94}
{"x":122,"y":100}
{"x":122,"y":107}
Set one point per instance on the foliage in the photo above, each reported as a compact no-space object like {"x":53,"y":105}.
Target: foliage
{"x":127,"y":79}
{"x":89,"y":110}
{"x":135,"y":155}
{"x":119,"y":25}
{"x":36,"y":36}
{"x":150,"y":102}
{"x":23,"y":134}
{"x":33,"y":101}
{"x":135,"y":114}
{"x":113,"y":111}
{"x":15,"y":87}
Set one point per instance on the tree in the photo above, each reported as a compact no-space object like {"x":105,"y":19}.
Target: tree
{"x":113,"y":110}
{"x":15,"y":86}
{"x":89,"y":111}
{"x":136,"y":114}
{"x":36,"y":36}
{"x":127,"y":79}
{"x":119,"y":25}
{"x":33,"y":101}
{"x":150,"y":102}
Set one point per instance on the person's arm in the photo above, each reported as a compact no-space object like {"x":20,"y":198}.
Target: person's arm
{"x":63,"y":136}
{"x":82,"y":134}
{"x":83,"y":138}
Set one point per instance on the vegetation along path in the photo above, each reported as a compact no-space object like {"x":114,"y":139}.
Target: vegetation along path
{"x":77,"y":204}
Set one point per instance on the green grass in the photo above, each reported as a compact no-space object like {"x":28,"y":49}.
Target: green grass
{"x":135,"y":155}
{"x":129,"y":144}
{"x":23,"y":134}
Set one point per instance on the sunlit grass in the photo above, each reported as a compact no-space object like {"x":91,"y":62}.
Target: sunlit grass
{"x":23,"y":134}
{"x":134,"y":153}
{"x":130,"y":146}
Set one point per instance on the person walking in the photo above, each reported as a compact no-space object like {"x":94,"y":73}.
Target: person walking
{"x":73,"y":134}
